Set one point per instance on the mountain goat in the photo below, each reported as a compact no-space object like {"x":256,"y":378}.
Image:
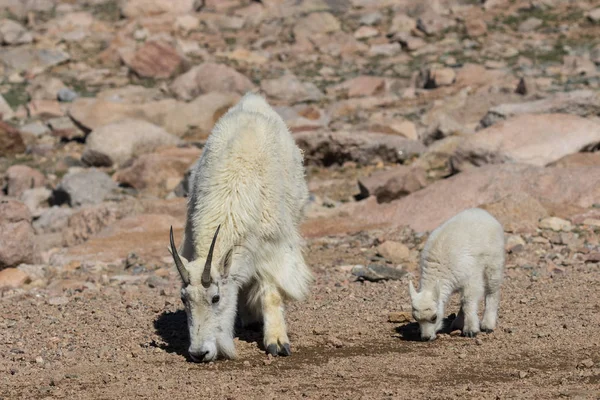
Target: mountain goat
{"x":247,"y":198}
{"x":465,"y":254}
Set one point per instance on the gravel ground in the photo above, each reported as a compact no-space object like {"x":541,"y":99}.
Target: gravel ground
{"x":121,"y":338}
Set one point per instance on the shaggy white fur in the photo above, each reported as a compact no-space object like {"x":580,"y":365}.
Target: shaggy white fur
{"x":250,"y":182}
{"x":465,"y":254}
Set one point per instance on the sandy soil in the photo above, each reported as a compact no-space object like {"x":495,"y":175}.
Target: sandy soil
{"x":121,"y":338}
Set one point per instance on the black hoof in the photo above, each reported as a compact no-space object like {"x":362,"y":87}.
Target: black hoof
{"x":272,"y":349}
{"x":469,"y":334}
{"x":487,"y":330}
{"x":285,"y":350}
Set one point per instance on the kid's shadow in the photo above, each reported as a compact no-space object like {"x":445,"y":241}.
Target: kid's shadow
{"x":173,"y":330}
{"x":410,"y":332}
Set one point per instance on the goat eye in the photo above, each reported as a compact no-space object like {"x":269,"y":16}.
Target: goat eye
{"x":434,"y":318}
{"x":216,"y":299}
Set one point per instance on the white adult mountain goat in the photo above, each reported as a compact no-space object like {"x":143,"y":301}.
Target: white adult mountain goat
{"x":465,"y":254}
{"x":247,"y":197}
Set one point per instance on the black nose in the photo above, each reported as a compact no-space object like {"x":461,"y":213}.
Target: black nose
{"x":198,"y":356}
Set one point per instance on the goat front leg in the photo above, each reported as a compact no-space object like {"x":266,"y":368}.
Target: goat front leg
{"x":275,"y":332}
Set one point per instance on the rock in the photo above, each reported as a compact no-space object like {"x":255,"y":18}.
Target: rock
{"x":578,"y":160}
{"x":393,"y":251}
{"x":17,"y":236}
{"x":25,"y":58}
{"x":333,"y":341}
{"x":137,"y":8}
{"x":93,"y":158}
{"x":472,"y":188}
{"x":530,"y":24}
{"x":85,"y":187}
{"x":556,"y":224}
{"x":594,"y":15}
{"x":371,"y":19}
{"x":13,"y":278}
{"x":12,"y":33}
{"x":210,"y":77}
{"x":327,"y":148}
{"x":514,"y":243}
{"x":315,"y":23}
{"x":128,"y":138}
{"x":11,"y":142}
{"x":376,"y":272}
{"x":392,"y":184}
{"x":6,"y":112}
{"x":436,"y":159}
{"x":402,"y":23}
{"x":45,"y":109}
{"x":578,"y":66}
{"x":290,"y":89}
{"x":392,"y":125}
{"x":89,"y":220}
{"x":57,"y":301}
{"x":155,"y":60}
{"x":36,"y":129}
{"x":90,"y":114}
{"x":362,"y":86}
{"x":36,"y":199}
{"x":366,"y":32}
{"x":20,"y":178}
{"x":579,"y":102}
{"x":588,"y":362}
{"x":434,"y":78}
{"x":159,"y":173}
{"x":431,"y":23}
{"x":144,"y":233}
{"x":66,"y":95}
{"x":399,"y":317}
{"x":517,"y":212}
{"x":303,"y":117}
{"x":385,"y":49}
{"x":52,"y":220}
{"x":475,"y":27}
{"x":197,"y":118}
{"x":532,"y":139}
{"x":593,"y":257}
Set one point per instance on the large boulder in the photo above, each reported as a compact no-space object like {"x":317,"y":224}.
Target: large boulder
{"x":128,"y":138}
{"x":159,"y":173}
{"x":537,"y":139}
{"x":17,"y":238}
{"x":579,"y":102}
{"x":327,"y":148}
{"x":210,"y":77}
{"x":427,"y":208}
{"x":79,"y":188}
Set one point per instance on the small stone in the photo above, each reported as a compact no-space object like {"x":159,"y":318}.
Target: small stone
{"x":39,"y":360}
{"x":393,"y":251}
{"x":514,"y":243}
{"x":58,"y":301}
{"x":592,"y":222}
{"x":246,"y":363}
{"x":399,"y":317}
{"x":593,"y":258}
{"x":376,"y":272}
{"x":334,"y":342}
{"x":462,"y":356}
{"x":522,"y":374}
{"x":587,"y":363}
{"x":456,"y":332}
{"x":478,"y":342}
{"x":434,"y":78}
{"x":594,"y":15}
{"x":530,"y":24}
{"x":66,"y":95}
{"x":365,"y":32}
{"x":556,"y":224}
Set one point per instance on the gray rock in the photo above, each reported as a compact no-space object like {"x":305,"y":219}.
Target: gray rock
{"x":36,"y":128}
{"x":26,"y":58}
{"x":85,"y":187}
{"x":290,"y":89}
{"x":66,"y":95}
{"x":51,"y":220}
{"x":378,"y":272}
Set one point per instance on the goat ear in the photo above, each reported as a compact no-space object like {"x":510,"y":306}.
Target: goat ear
{"x":411,"y":290}
{"x":227,"y":260}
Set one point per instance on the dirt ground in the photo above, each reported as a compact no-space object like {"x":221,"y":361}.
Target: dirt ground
{"x":122,"y":338}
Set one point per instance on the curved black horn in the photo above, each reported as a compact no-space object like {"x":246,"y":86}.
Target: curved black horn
{"x":185,"y":277}
{"x":206,"y":278}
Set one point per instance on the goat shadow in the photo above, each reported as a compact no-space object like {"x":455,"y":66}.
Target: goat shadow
{"x":173,"y":330}
{"x":410,"y":332}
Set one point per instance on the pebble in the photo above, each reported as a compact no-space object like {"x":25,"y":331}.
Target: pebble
{"x":334,"y":341}
{"x":522,"y":374}
{"x":587,"y":363}
{"x":66,"y":95}
{"x":399,"y":317}
{"x":58,"y":301}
